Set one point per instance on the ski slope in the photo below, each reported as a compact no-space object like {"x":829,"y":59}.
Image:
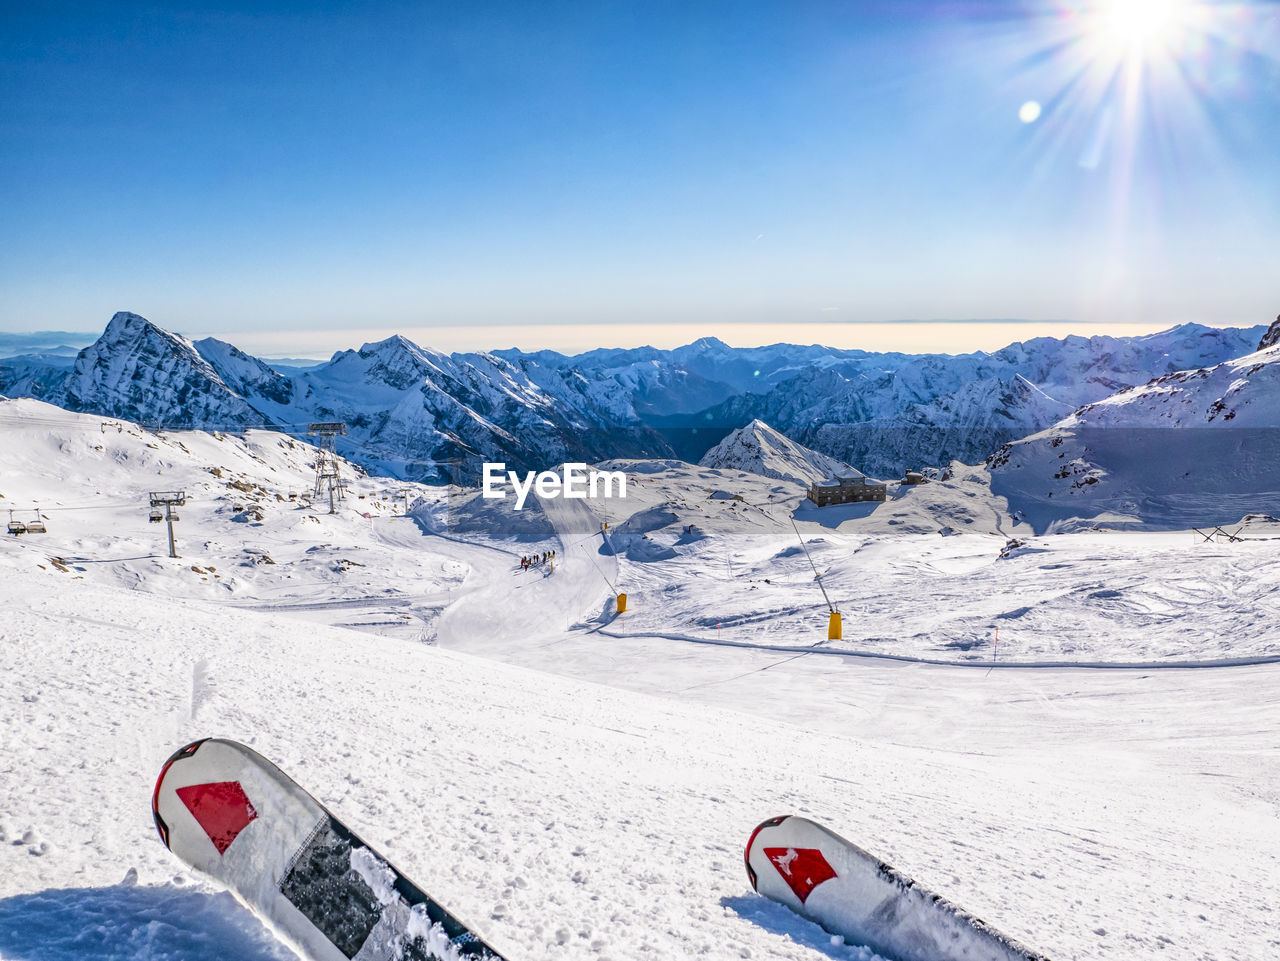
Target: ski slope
{"x":568,"y":819}
{"x":580,"y":784}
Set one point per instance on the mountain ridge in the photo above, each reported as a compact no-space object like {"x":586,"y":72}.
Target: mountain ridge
{"x":419,"y":413}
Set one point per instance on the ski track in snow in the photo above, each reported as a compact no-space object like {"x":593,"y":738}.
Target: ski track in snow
{"x":1115,"y":814}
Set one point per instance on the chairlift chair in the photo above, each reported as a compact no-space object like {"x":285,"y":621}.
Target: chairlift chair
{"x":17,"y":527}
{"x":156,"y":516}
{"x":37,"y":526}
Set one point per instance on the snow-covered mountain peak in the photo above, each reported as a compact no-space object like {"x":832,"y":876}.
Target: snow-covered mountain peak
{"x":759,"y":449}
{"x":705,"y":344}
{"x":395,"y":344}
{"x":140,"y":371}
{"x":123,"y":320}
{"x":398,"y":352}
{"x":127,"y":329}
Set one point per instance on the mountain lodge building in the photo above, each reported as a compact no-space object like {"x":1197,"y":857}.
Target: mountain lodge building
{"x":846,"y":487}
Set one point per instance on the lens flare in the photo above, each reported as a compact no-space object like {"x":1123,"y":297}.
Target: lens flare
{"x":1142,"y":83}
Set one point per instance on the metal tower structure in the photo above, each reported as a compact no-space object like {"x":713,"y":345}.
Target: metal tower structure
{"x":327,"y":473}
{"x":168,"y":500}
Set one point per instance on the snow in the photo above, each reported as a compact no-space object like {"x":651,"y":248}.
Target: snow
{"x":760,"y":449}
{"x":128,"y":921}
{"x":578,"y":783}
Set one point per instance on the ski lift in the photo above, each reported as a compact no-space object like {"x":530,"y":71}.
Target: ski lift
{"x":37,"y":526}
{"x":156,"y":516}
{"x":16,"y":527}
{"x":174,"y":517}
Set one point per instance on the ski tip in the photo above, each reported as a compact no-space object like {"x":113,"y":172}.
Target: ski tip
{"x":178,"y":755}
{"x":772,"y":822}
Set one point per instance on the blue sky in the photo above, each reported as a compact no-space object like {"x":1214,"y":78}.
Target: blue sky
{"x":579,"y":174}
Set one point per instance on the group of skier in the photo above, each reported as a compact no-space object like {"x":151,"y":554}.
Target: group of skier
{"x":533,"y":560}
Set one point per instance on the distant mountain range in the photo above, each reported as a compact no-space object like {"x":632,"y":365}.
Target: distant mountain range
{"x":42,"y":341}
{"x":415,"y":412}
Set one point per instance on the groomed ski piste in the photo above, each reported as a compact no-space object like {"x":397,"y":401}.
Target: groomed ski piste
{"x":1101,"y":783}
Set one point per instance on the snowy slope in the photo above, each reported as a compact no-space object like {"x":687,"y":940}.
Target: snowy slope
{"x":248,"y":532}
{"x":586,"y":789}
{"x":571,"y":820}
{"x":760,"y":449}
{"x":1193,"y":448}
{"x":696,"y":565}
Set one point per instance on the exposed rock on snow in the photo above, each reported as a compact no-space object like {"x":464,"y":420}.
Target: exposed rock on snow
{"x":1271,"y":337}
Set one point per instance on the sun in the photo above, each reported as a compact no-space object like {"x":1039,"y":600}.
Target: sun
{"x":1130,"y":29}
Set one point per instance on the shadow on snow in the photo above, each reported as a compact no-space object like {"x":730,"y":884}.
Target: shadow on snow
{"x":132,"y":922}
{"x":786,"y":923}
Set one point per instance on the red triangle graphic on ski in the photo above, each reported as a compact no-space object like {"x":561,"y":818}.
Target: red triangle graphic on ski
{"x":222,"y":809}
{"x":802,"y":868}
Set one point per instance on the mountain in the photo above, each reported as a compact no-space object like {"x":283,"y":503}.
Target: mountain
{"x":244,"y":374}
{"x":887,"y":412}
{"x":36,"y":374}
{"x":418,"y":413}
{"x":411,"y":411}
{"x":1188,"y":448}
{"x":41,"y":341}
{"x":140,"y":372}
{"x":979,"y":416}
{"x":759,"y":449}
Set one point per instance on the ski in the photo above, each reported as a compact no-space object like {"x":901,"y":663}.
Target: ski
{"x":230,"y":813}
{"x":852,"y":893}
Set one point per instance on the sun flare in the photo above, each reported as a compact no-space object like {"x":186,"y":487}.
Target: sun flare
{"x":1128,"y":28}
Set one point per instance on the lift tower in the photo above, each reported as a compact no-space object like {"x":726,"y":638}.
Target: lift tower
{"x":168,"y":500}
{"x":327,"y":474}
